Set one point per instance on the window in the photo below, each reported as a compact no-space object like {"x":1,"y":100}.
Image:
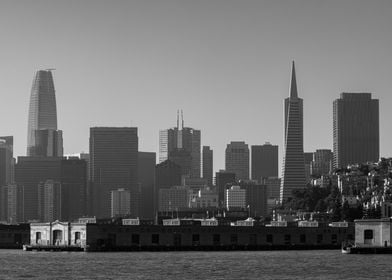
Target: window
{"x":155,"y":239}
{"x":216,"y":239}
{"x":135,"y":239}
{"x":334,"y":239}
{"x":195,"y":239}
{"x":319,"y":238}
{"x":287,"y":239}
{"x":234,"y":239}
{"x":368,"y":234}
{"x":270,"y":238}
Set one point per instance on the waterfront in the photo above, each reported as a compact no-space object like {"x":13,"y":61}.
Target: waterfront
{"x":329,"y":264}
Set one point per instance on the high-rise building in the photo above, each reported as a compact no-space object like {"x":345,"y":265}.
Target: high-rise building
{"x":235,"y":198}
{"x":11,"y":198}
{"x":293,"y":173}
{"x":222,"y":180}
{"x":322,"y":163}
{"x":181,"y":145}
{"x":48,"y":143}
{"x":49,"y":201}
{"x":6,"y":160}
{"x":237,"y":159}
{"x":120,"y":203}
{"x":146,"y":179}
{"x":256,"y":198}
{"x":113,"y":165}
{"x":264,"y":160}
{"x":207,"y":164}
{"x":356,"y":135}
{"x":173,"y":199}
{"x":33,"y":172}
{"x":43,"y":116}
{"x":308,"y":159}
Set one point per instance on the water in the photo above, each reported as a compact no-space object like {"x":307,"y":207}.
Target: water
{"x":17,"y":264}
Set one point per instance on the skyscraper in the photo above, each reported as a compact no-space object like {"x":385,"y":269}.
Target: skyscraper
{"x":181,"y":145}
{"x":113,"y":165}
{"x":237,"y":159}
{"x":293,"y":173}
{"x":42,"y":112}
{"x":223,"y":180}
{"x":356,"y":136}
{"x":207,"y":164}
{"x":264,"y":160}
{"x":322,"y":163}
{"x":120,"y":202}
{"x":146,"y":180}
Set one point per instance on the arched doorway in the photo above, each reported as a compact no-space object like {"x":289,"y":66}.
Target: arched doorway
{"x":57,"y":237}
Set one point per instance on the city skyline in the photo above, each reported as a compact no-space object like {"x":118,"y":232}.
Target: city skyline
{"x":239,"y":54}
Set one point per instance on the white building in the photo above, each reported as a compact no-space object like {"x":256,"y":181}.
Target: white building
{"x":120,"y":202}
{"x":235,"y":198}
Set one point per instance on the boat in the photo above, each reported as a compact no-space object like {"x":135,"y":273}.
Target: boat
{"x":347,"y":246}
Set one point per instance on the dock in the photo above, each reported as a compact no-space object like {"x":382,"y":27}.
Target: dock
{"x":52,"y":248}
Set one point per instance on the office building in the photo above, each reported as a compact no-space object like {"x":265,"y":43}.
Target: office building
{"x":204,"y":198}
{"x":43,"y":116}
{"x":120,"y":201}
{"x":356,"y":134}
{"x":173,"y":199}
{"x":113,"y":165}
{"x":49,"y":201}
{"x":181,"y":145}
{"x":235,"y":198}
{"x":146,"y":179}
{"x":308,"y":159}
{"x":237,"y":159}
{"x":207,"y":164}
{"x":223,"y":179}
{"x":322,"y":163}
{"x":264,"y":161}
{"x":293,"y":173}
{"x":256,"y":198}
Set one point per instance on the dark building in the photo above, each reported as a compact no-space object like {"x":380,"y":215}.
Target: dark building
{"x":6,"y":171}
{"x":293,"y":173}
{"x":167,"y":175}
{"x":308,"y":159}
{"x":181,"y":145}
{"x":222,"y":179}
{"x":264,"y":161}
{"x":113,"y":165}
{"x":69,"y":175}
{"x":207,"y":165}
{"x":237,"y":159}
{"x":146,"y":178}
{"x":256,"y":198}
{"x":356,"y":135}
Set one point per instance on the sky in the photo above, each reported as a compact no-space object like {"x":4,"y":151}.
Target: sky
{"x":225,"y":63}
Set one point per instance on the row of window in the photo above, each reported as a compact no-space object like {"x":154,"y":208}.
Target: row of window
{"x":216,"y":239}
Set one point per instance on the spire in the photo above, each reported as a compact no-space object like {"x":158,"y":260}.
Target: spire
{"x":293,"y":85}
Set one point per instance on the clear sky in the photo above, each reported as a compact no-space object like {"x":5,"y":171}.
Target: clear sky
{"x":225,"y":63}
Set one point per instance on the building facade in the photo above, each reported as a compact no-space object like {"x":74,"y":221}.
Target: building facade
{"x":113,"y":165}
{"x":222,"y":180}
{"x":293,"y":173}
{"x":264,"y":161}
{"x":146,"y":179}
{"x":322,"y":163}
{"x":356,"y":132}
{"x":208,"y":164}
{"x":42,"y":113}
{"x":120,"y":201}
{"x":237,"y":159}
{"x":181,"y":145}
{"x":235,"y":198}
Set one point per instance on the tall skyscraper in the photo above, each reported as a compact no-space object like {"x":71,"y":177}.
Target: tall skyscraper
{"x":146,"y":180}
{"x":293,"y":173}
{"x":356,"y":135}
{"x":207,"y":164}
{"x":181,"y":145}
{"x":43,"y":116}
{"x":113,"y":165}
{"x":237,"y":159}
{"x":264,"y":160}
